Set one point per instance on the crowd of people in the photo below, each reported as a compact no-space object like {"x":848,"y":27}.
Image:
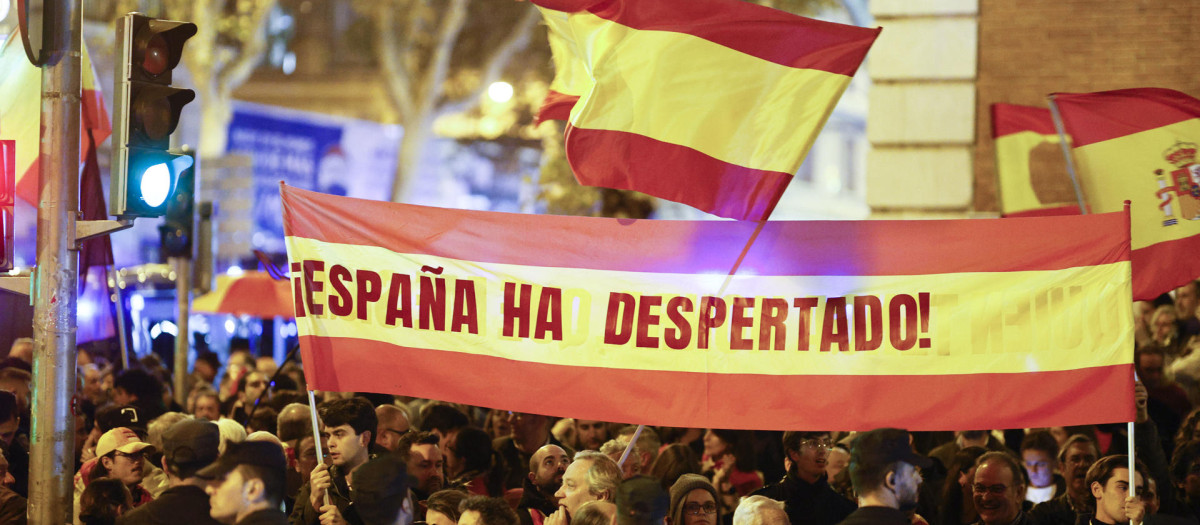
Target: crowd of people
{"x":241,"y":450}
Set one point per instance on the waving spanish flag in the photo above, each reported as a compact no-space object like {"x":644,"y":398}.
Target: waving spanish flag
{"x":712,"y":103}
{"x":1017,"y":130}
{"x":1140,"y":145}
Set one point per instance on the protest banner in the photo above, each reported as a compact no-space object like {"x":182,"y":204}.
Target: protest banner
{"x":929,"y":325}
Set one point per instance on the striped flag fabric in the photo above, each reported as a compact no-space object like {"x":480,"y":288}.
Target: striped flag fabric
{"x":711,"y":103}
{"x":846,"y":325}
{"x":1140,"y":145}
{"x":1016,"y":131}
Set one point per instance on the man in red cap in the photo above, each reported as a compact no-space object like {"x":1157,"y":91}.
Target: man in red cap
{"x":120,"y":455}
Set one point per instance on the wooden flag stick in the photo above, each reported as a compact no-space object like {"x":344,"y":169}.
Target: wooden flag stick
{"x":1066,"y":149}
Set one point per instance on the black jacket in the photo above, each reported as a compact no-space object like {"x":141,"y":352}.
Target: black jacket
{"x":809,"y":504}
{"x":532,"y":498}
{"x":876,"y":516}
{"x":176,"y":505}
{"x":265,"y":517}
{"x":303,"y":512}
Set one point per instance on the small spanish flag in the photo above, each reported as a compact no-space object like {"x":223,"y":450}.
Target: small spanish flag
{"x":1140,"y":145}
{"x":711,"y":103}
{"x":1016,"y":131}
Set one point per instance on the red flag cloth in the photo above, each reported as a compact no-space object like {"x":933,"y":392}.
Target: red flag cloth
{"x":96,"y":251}
{"x":711,"y":103}
{"x":1140,"y":146}
{"x":827,"y":324}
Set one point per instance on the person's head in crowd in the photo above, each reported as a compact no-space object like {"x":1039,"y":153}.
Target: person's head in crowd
{"x":248,"y":477}
{"x":250,"y":386}
{"x":498,"y":424}
{"x":760,"y":510}
{"x":883,"y":469}
{"x":10,"y":417}
{"x":206,"y":366}
{"x":442,"y":507}
{"x":546,"y":469}
{"x":999,"y":488}
{"x":22,"y":349}
{"x":294,"y":422}
{"x":1150,"y":361}
{"x":137,"y":386}
{"x":282,"y":397}
{"x":614,"y":449}
{"x":121,"y":456}
{"x":393,"y":423}
{"x":189,"y":445}
{"x":1110,"y":487}
{"x":295,"y":373}
{"x":1163,"y":329}
{"x":103,"y":501}
{"x":1185,"y":470}
{"x":155,"y":430}
{"x":91,"y":390}
{"x":263,"y":435}
{"x":112,"y":416}
{"x":674,"y":461}
{"x":642,"y":500}
{"x":444,"y":420}
{"x":264,"y":419}
{"x":1186,"y":300}
{"x":808,"y":453}
{"x":1074,"y":458}
{"x":1188,"y":429}
{"x":306,"y":457}
{"x":18,"y":382}
{"x":231,"y":432}
{"x":380,"y":490}
{"x":471,"y":451}
{"x":1150,"y":496}
{"x":349,"y":429}
{"x":694,"y":502}
{"x":837,"y":460}
{"x":591,"y":476}
{"x":597,"y":512}
{"x":6,"y":477}
{"x":529,"y":428}
{"x":1038,"y":452}
{"x":266,"y":365}
{"x":645,"y":449}
{"x":590,"y":434}
{"x":957,"y":492}
{"x":207,"y":406}
{"x":425,"y":462}
{"x":482,"y":510}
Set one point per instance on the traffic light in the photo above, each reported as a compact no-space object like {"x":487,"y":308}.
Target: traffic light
{"x":144,"y":172}
{"x":176,"y":229}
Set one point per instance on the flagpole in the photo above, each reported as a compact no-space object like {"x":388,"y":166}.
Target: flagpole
{"x":1132,"y":449}
{"x":1066,"y":149}
{"x":312,"y":407}
{"x":629,"y":448}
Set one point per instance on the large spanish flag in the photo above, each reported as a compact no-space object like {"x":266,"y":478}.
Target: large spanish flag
{"x":712,"y":103}
{"x":20,"y":113}
{"x":1140,"y":145}
{"x":825,"y":325}
{"x":1016,"y":131}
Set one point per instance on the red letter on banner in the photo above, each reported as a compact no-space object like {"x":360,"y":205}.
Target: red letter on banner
{"x":549,"y":314}
{"x":739,"y":322}
{"x":465,"y":308}
{"x":517,"y":310}
{"x":712,"y":315}
{"x":400,"y":300}
{"x":312,"y":285}
{"x":806,"y":306}
{"x":771,"y":328}
{"x":646,"y":319}
{"x":297,"y":289}
{"x":433,"y":303}
{"x":675,"y":308}
{"x":835,"y":329}
{"x":868,"y":306}
{"x":370,"y":288}
{"x":617,"y":331}
{"x":340,"y":304}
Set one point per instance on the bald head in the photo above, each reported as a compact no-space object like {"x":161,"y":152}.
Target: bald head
{"x":546,"y":467}
{"x":294,"y":422}
{"x":393,"y":423}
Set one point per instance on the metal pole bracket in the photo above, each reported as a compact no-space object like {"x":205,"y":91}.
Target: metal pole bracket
{"x":85,"y":230}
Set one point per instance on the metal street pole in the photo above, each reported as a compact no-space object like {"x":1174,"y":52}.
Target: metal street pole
{"x":52,"y":454}
{"x":183,"y":292}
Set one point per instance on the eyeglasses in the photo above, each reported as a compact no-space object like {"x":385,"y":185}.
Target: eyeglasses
{"x":996,"y":490}
{"x":696,"y":509}
{"x":136,"y":456}
{"x":817,"y":443}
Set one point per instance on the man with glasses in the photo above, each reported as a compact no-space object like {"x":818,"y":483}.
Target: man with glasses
{"x":120,"y":455}
{"x":999,"y":490}
{"x":805,"y":490}
{"x":1075,"y":457}
{"x":883,"y":469}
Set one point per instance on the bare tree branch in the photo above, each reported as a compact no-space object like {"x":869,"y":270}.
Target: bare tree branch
{"x":517,"y":40}
{"x":389,"y":56}
{"x":439,"y":62}
{"x":254,"y":47}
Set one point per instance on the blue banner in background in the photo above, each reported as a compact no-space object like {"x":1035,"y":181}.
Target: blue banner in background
{"x":334,"y":155}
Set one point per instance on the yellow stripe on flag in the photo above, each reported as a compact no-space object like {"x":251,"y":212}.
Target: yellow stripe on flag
{"x":768,"y":114}
{"x":1012,"y":170}
{"x":1141,"y":160}
{"x":571,"y":76}
{"x":980,"y":321}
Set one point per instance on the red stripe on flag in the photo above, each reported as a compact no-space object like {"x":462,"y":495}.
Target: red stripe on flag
{"x":630,"y":161}
{"x":556,"y":106}
{"x":942,"y":402}
{"x":769,"y":34}
{"x":782,"y":248}
{"x":1162,"y":267}
{"x":1012,"y":118}
{"x":27,"y":184}
{"x":1097,"y":117}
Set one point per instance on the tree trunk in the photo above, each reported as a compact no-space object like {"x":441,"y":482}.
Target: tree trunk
{"x":216,"y":112}
{"x":417,"y":133}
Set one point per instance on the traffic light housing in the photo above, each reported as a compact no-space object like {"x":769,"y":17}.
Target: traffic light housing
{"x":144,"y":172}
{"x":177,"y":227}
